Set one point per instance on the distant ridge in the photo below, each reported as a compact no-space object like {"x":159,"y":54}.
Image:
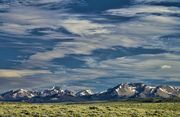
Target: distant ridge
{"x":121,"y":91}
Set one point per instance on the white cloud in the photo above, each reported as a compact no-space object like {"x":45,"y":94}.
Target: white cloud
{"x":143,"y":10}
{"x":163,"y":20}
{"x":85,"y":27}
{"x":148,"y":66}
{"x":142,"y":32}
{"x":166,"y":67}
{"x":66,"y":48}
{"x":150,"y":27}
{"x":6,"y":73}
{"x":13,"y":28}
{"x":47,"y":1}
{"x":96,"y":33}
{"x":83,"y":46}
{"x":147,"y":26}
{"x":156,"y":1}
{"x":20,"y":21}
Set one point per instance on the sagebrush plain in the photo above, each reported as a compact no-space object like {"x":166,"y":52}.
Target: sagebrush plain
{"x":100,"y":109}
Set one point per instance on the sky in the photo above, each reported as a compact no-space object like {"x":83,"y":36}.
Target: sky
{"x":88,"y":44}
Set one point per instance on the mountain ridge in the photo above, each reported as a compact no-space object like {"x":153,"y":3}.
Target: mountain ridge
{"x":121,"y":91}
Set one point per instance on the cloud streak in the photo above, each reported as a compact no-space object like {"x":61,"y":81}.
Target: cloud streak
{"x":6,"y":73}
{"x":56,"y":41}
{"x":140,"y":10}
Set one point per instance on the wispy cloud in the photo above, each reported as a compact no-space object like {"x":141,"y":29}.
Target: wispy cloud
{"x":140,"y":10}
{"x":143,"y":31}
{"x":86,"y":27}
{"x":34,"y":35}
{"x":66,"y":48}
{"x":166,"y":67}
{"x":157,"y":1}
{"x":149,"y":66}
{"x":6,"y":73}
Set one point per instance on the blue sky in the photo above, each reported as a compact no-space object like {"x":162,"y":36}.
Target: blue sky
{"x":80,"y":44}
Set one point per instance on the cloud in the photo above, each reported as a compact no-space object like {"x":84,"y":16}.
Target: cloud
{"x":149,"y":66}
{"x":142,"y":32}
{"x":140,"y":10}
{"x":85,"y":27}
{"x":66,"y":48}
{"x":83,"y":46}
{"x":42,"y":35}
{"x":47,"y":1}
{"x":163,"y":20}
{"x":150,"y":27}
{"x":13,"y":28}
{"x":21,"y":22}
{"x":166,"y":67}
{"x":147,"y":24}
{"x":4,"y":73}
{"x":156,"y":1}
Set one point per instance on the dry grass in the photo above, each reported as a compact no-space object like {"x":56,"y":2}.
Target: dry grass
{"x":109,"y":109}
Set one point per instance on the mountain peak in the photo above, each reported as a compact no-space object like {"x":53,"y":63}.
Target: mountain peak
{"x":86,"y":92}
{"x":121,"y":91}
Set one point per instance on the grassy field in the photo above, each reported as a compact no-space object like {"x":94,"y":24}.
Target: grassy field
{"x":109,"y":109}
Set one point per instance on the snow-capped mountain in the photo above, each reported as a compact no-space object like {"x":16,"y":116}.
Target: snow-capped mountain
{"x":167,"y":91}
{"x":20,"y":94}
{"x":139,"y":90}
{"x":121,"y":91}
{"x":87,"y":92}
{"x":50,"y":92}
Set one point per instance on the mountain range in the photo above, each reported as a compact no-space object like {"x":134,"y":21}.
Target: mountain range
{"x":121,"y":91}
